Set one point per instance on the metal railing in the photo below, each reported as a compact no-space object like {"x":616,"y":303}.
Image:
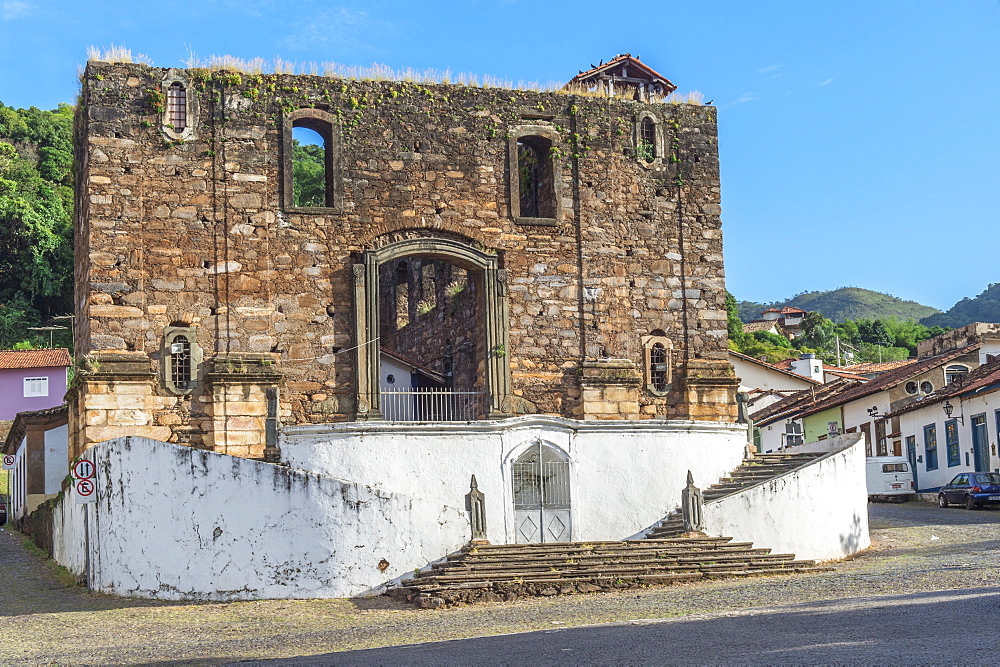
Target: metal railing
{"x":432,"y":405}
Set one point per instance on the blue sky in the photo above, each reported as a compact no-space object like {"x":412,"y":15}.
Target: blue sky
{"x":859,"y":139}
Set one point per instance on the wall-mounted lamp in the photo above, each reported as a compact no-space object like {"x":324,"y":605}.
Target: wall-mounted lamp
{"x":948,"y":409}
{"x":873,"y":412}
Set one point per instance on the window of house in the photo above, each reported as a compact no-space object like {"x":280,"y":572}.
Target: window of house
{"x":911,"y":387}
{"x":534,"y":175}
{"x":881,"y":447}
{"x":951,"y":441}
{"x":36,"y":387}
{"x":646,"y":149}
{"x":955,"y":372}
{"x":930,"y":446}
{"x":177,"y":106}
{"x":535,"y":180}
{"x":181,"y":359}
{"x":658,"y":350}
{"x":180,"y":107}
{"x":311,"y":175}
{"x":926,"y":387}
{"x":866,"y":428}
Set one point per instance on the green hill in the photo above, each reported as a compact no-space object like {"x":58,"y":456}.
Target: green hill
{"x":983,"y":308}
{"x":847,"y":303}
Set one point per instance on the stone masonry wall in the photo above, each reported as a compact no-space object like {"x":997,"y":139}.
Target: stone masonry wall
{"x":192,"y":232}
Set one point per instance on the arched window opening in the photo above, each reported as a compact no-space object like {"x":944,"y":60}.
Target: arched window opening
{"x":659,"y":368}
{"x":954,"y":373}
{"x":177,"y":106}
{"x":310,"y":164}
{"x":536,"y":183}
{"x":646,"y":149}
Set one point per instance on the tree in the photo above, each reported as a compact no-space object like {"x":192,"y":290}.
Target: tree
{"x":736,"y":335}
{"x":308,"y":174}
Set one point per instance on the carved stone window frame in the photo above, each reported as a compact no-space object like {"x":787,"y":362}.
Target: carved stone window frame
{"x":495,"y":308}
{"x":327,"y":125}
{"x":647,"y":346}
{"x":190,"y":131}
{"x":659,"y":145}
{"x":517,"y":133}
{"x":170,"y":335}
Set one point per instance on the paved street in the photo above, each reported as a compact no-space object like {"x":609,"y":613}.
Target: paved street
{"x":927,"y":585}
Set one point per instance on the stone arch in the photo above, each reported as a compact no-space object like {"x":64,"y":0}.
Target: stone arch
{"x":495,"y":313}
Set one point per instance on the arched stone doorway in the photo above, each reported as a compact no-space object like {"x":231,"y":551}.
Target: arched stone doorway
{"x":493,"y":308}
{"x":541,"y":489}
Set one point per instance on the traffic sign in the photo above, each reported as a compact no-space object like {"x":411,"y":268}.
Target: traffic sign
{"x":86,"y":491}
{"x":83,"y":469}
{"x":8,"y":461}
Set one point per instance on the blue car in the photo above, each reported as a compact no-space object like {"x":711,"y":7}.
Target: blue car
{"x":972,"y":489}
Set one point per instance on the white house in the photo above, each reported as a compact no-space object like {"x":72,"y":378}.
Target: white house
{"x":953,"y":430}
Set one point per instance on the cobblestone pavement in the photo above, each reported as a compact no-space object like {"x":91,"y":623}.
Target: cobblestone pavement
{"x":918,"y":548}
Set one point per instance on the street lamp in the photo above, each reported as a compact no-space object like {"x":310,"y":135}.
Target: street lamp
{"x":948,"y":409}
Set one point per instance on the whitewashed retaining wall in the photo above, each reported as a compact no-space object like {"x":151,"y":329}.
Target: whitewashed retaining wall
{"x":817,"y":512}
{"x":625,"y":476}
{"x":179,"y":523}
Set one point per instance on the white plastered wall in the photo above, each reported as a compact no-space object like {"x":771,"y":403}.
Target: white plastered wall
{"x":817,"y":512}
{"x":625,"y":476}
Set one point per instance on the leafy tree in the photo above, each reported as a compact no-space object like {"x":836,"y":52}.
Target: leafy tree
{"x":736,"y":335}
{"x":308,"y":174}
{"x":36,"y":234}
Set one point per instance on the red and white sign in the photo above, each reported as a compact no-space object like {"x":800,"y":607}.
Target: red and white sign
{"x":86,"y":491}
{"x":83,"y":469}
{"x":8,"y":461}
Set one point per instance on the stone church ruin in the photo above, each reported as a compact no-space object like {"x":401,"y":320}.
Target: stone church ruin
{"x":463,"y":253}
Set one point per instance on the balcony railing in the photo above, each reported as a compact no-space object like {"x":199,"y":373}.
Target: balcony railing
{"x":430,"y":405}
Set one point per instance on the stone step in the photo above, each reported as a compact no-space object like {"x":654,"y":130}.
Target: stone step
{"x":506,"y":569}
{"x":638,"y":555}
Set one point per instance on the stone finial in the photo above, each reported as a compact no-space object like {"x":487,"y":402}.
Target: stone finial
{"x":691,"y":506}
{"x":477,"y":508}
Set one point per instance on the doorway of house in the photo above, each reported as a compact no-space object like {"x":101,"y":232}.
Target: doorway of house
{"x":431,"y":341}
{"x":980,"y":444}
{"x":541,"y":480}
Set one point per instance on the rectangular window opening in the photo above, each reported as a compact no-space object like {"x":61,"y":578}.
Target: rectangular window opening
{"x":36,"y":387}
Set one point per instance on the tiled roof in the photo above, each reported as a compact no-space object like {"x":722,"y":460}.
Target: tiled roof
{"x":982,"y":378}
{"x":618,"y":60}
{"x":801,"y":400}
{"x":34,"y":358}
{"x":772,"y":367}
{"x":882,"y":382}
{"x":877,"y":367}
{"x":761,"y":325}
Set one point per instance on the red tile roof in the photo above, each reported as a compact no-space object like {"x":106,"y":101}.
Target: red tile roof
{"x":881,"y":382}
{"x":985,"y":377}
{"x":34,"y":358}
{"x":632,"y":60}
{"x":877,"y":367}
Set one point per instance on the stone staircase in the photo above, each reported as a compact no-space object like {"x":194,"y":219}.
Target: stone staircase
{"x":491,"y":573}
{"x":760,"y":468}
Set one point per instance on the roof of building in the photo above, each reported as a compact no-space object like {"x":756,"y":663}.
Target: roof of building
{"x":772,"y":367}
{"x":34,"y":358}
{"x":794,"y":405}
{"x":986,"y":378}
{"x":882,"y":382}
{"x":761,"y":325}
{"x":621,"y":59}
{"x":19,"y":425}
{"x":877,"y":367}
{"x":786,"y":310}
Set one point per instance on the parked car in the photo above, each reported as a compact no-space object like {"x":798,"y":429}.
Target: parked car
{"x":973,"y":489}
{"x":3,"y":511}
{"x":889,"y":478}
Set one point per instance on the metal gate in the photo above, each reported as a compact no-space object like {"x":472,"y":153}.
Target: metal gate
{"x":541,"y":495}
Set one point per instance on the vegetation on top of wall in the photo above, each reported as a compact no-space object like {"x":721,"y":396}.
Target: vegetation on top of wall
{"x":374,"y":72}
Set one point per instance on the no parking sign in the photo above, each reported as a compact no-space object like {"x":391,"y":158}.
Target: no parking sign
{"x":84,"y":482}
{"x":8,"y":461}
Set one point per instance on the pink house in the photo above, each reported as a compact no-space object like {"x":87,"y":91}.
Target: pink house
{"x":32,"y":380}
